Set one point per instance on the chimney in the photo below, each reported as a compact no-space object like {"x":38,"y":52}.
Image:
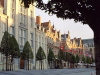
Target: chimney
{"x":38,"y":20}
{"x":2,"y":3}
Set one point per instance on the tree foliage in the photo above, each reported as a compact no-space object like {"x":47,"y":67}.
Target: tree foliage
{"x":79,"y":10}
{"x":27,"y":52}
{"x":61,"y":55}
{"x":51,"y":56}
{"x":83,"y":59}
{"x":88,"y":60}
{"x":77,"y":59}
{"x":73,"y":60}
{"x":40,"y":54}
{"x":65,"y":56}
{"x":14,"y":47}
{"x":14,"y":51}
{"x":5,"y":47}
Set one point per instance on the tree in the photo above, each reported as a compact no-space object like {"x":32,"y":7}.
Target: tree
{"x":85,"y":11}
{"x":5,"y":48}
{"x":51,"y":57}
{"x":88,"y":61}
{"x":40,"y":55}
{"x":83,"y":59}
{"x":27,"y":53}
{"x":61,"y":56}
{"x":14,"y":49}
{"x":65,"y":56}
{"x":93,"y":60}
{"x":73,"y":60}
{"x":77,"y":59}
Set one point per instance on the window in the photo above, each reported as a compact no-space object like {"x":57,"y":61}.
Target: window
{"x":22,"y":36}
{"x":13,"y":15}
{"x":22,"y":14}
{"x":31,"y":18}
{"x":12,"y":8}
{"x":31,"y":39}
{"x":12,"y":30}
{"x":3,"y":27}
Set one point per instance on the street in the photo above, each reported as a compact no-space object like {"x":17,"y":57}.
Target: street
{"x":51,"y":72}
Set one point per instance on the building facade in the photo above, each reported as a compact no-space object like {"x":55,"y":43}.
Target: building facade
{"x":89,"y":49}
{"x":74,"y":46}
{"x":41,"y":41}
{"x":22,"y":24}
{"x":53,"y":36}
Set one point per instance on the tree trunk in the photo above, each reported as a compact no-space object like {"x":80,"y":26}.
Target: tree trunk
{"x":68,"y":64}
{"x":11,"y":64}
{"x":50,"y":64}
{"x":41,"y":64}
{"x":26,"y":61}
{"x":6,"y":62}
{"x":97,"y":50}
{"x":28,"y":64}
{"x":3,"y":63}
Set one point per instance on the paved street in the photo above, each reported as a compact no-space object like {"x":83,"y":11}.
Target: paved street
{"x":52,"y":72}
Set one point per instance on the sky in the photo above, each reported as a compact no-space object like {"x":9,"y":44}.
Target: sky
{"x":76,"y":29}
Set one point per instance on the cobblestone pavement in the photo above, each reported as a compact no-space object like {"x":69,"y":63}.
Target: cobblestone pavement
{"x":51,"y":72}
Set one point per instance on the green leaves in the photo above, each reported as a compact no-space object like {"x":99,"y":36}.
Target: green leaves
{"x":51,"y":56}
{"x":73,"y":60}
{"x":40,"y":54}
{"x":79,"y":10}
{"x":27,"y":2}
{"x":83,"y":59}
{"x":77,"y":59}
{"x":61,"y":55}
{"x":5,"y":47}
{"x":27,"y":51}
{"x":14,"y":47}
{"x":88,"y":60}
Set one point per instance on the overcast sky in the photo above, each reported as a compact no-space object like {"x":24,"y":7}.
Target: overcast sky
{"x":76,"y":29}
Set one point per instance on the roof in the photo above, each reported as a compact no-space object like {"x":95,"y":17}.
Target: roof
{"x":88,"y":41}
{"x":64,"y":35}
{"x":45,"y":24}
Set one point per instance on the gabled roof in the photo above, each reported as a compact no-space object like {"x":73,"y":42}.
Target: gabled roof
{"x":45,"y":25}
